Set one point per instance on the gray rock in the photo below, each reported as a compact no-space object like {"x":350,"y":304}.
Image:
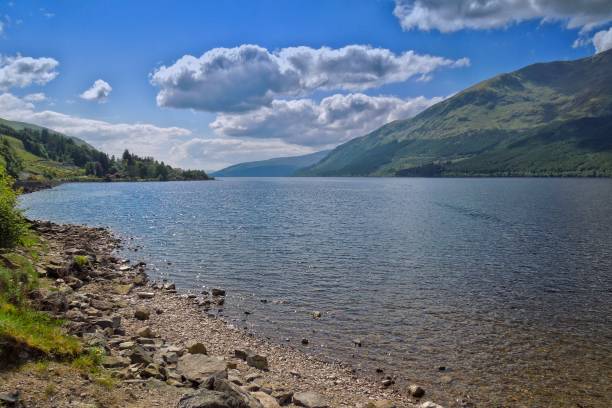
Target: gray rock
{"x":242,"y":354}
{"x":115,"y":362}
{"x":217,"y":292}
{"x":145,"y":332}
{"x":429,"y":404}
{"x":139,"y":355}
{"x":258,"y":361}
{"x":252,"y":377}
{"x":309,"y":399}
{"x":170,"y":357}
{"x":267,"y":401}
{"x":196,"y":348}
{"x":316,"y":314}
{"x":283,"y":397}
{"x":222,"y":394}
{"x":146,"y":295}
{"x":416,"y":391}
{"x":142,"y":313}
{"x":200,"y":368}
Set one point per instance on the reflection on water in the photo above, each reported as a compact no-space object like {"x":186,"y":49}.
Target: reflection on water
{"x":505,"y":282}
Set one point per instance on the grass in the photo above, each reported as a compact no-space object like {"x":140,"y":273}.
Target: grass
{"x":81,"y":260}
{"x":37,"y":331}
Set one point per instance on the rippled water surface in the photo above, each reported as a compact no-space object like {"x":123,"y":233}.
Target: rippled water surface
{"x":505,"y":282}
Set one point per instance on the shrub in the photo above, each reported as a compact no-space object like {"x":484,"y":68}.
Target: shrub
{"x":12,"y":223}
{"x":81,"y":261}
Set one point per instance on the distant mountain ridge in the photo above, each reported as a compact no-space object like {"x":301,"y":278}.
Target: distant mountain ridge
{"x":277,"y":167}
{"x":547,"y":119}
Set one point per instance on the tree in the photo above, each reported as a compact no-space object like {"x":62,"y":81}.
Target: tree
{"x":12,"y":223}
{"x":12,"y":163}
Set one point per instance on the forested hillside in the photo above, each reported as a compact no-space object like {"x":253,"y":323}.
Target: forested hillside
{"x":30,"y":152}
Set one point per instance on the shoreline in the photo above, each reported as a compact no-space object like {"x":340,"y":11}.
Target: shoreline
{"x":164,"y":321}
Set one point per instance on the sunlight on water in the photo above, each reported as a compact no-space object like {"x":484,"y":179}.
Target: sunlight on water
{"x":504,"y":282}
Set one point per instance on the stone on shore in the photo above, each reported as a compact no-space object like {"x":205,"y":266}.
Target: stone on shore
{"x":309,"y":399}
{"x":217,"y":292}
{"x":267,"y":401}
{"x":222,"y":394}
{"x":196,"y":348}
{"x":200,"y":368}
{"x":258,"y":361}
{"x":138,"y":355}
{"x":146,"y":295}
{"x":142,"y":313}
{"x":429,"y":404}
{"x":416,"y":391}
{"x":145,"y":332}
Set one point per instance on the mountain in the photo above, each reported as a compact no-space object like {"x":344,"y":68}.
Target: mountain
{"x":37,"y":154}
{"x":548,"y":119}
{"x":279,"y":167}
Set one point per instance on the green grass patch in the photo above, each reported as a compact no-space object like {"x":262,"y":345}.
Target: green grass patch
{"x":81,"y":261}
{"x":37,"y":331}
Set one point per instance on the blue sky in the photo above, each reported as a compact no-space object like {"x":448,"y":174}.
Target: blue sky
{"x":253,"y":103}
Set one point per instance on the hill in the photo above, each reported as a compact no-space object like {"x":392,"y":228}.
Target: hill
{"x":278,"y":167}
{"x":33,"y":153}
{"x":548,"y":119}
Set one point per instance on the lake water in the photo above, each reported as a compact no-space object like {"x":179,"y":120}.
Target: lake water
{"x":505,"y":282}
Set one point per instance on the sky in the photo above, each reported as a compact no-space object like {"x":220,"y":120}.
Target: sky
{"x":207,"y":84}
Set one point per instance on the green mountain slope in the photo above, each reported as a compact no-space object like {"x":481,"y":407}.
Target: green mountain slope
{"x":546,"y":119}
{"x":278,"y":167}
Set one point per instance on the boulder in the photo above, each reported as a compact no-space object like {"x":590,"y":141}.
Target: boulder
{"x":242,"y":354}
{"x":196,"y":348}
{"x":217,"y":292}
{"x":139,"y":355}
{"x":146,"y":295}
{"x":429,"y":404}
{"x":145,"y":332}
{"x":267,"y":401}
{"x":416,"y":391}
{"x":309,"y":399}
{"x":220,"y":394}
{"x":201,"y":369}
{"x":258,"y":361}
{"x":142,"y":313}
{"x":115,"y":362}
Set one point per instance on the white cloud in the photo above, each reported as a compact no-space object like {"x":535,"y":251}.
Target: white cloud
{"x":142,"y":138}
{"x":174,"y":145}
{"x":603,"y":40}
{"x":249,"y":77}
{"x":35,"y":97}
{"x":99,"y":91}
{"x":21,"y":71}
{"x":217,"y":153}
{"x":448,"y":16}
{"x":335,"y":119}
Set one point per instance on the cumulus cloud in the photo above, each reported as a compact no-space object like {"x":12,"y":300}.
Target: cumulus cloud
{"x":174,"y":145}
{"x":217,"y":153}
{"x":335,"y":119}
{"x":603,"y":40}
{"x":249,"y":77}
{"x":21,"y":71}
{"x":99,"y":91}
{"x":448,"y":16}
{"x":35,"y":97}
{"x":143,"y":138}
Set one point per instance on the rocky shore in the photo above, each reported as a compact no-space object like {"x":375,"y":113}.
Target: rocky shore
{"x":164,"y":349}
